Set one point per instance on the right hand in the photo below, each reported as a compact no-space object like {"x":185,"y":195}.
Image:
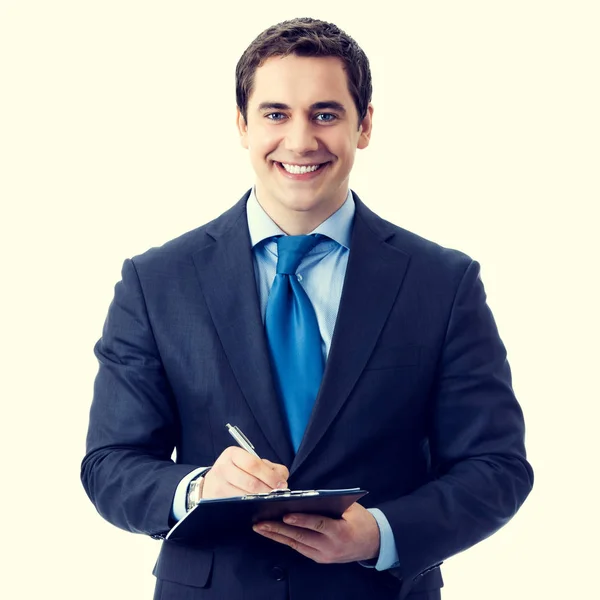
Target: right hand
{"x":236,"y":473}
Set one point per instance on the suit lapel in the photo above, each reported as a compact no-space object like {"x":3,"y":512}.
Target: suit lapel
{"x":226,"y":272}
{"x":373,"y":278}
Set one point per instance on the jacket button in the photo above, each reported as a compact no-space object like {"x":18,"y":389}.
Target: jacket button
{"x":278,"y":574}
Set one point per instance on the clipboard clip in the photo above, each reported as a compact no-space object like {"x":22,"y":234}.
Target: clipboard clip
{"x":283,"y":493}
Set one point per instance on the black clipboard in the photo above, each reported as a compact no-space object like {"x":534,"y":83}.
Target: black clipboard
{"x":225,"y":516}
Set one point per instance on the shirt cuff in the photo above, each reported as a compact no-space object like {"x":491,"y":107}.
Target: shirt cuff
{"x":179,"y":510}
{"x":388,"y":555}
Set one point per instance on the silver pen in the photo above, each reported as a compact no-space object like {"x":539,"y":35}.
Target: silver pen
{"x":241,"y":439}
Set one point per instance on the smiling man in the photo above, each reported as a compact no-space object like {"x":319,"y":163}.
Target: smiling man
{"x":351,"y":352}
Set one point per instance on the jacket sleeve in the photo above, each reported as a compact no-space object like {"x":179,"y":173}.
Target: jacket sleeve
{"x":480,"y":472}
{"x":127,"y":471}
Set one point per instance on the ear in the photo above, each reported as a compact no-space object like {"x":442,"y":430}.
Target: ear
{"x":242,"y":128}
{"x":365,"y":129}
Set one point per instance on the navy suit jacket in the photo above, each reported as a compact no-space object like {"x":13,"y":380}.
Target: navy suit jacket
{"x":415,"y":406}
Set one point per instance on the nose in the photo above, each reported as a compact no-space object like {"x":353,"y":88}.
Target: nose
{"x":300,"y":137}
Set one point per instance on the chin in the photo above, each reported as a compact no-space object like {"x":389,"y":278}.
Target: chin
{"x":304,"y":204}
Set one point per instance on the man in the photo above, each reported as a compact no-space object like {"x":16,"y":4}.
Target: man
{"x":389,"y":375}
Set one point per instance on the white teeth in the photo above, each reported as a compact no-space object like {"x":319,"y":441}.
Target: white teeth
{"x":296,"y":169}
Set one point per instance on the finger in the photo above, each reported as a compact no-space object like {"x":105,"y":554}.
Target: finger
{"x":317,"y":523}
{"x":281,"y":470}
{"x":274,"y":475}
{"x":257,"y":468}
{"x":243,"y":480}
{"x":302,"y":541}
{"x":216,"y":486}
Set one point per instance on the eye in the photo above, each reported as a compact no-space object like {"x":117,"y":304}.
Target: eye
{"x":327,"y":117}
{"x":275,"y":116}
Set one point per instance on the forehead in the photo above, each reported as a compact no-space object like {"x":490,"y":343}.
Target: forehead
{"x":300,"y":80}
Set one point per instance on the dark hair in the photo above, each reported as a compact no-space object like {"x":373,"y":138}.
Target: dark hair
{"x":305,"y":37}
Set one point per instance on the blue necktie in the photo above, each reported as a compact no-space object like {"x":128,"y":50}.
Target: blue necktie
{"x":293,"y":336}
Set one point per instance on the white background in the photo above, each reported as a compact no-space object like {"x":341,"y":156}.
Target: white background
{"x":117,"y":133}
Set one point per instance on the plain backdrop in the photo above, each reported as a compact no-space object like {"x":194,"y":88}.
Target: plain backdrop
{"x":117,"y":134}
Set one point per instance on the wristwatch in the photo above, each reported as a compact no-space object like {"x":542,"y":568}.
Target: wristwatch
{"x":194,"y":492}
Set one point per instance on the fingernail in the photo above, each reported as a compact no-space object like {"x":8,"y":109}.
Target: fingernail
{"x":260,"y":528}
{"x":281,"y":484}
{"x":289,"y":519}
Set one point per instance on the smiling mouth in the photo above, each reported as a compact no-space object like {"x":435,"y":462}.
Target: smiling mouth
{"x":301,"y":172}
{"x":301,"y":169}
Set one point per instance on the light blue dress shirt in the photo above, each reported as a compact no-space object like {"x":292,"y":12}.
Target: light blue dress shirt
{"x":321,"y":273}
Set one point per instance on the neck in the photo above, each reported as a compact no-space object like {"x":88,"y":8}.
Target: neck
{"x":297,"y":221}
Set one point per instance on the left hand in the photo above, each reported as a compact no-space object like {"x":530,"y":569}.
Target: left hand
{"x":353,"y":537}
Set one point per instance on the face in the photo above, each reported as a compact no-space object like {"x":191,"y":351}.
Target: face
{"x":302,"y":133}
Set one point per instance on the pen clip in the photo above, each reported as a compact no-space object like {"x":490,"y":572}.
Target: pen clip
{"x":239,"y":432}
{"x":241,"y":439}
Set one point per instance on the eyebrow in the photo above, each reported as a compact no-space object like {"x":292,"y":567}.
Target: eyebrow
{"x":330,"y":104}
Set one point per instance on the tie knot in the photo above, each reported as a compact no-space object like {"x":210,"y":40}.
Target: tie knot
{"x":290,"y":251}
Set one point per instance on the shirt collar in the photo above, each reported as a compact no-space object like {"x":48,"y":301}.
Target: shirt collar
{"x":337,"y":227}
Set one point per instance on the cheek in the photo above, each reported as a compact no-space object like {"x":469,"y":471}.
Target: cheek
{"x":261,"y":142}
{"x":345,"y":158}
{"x":342,"y":146}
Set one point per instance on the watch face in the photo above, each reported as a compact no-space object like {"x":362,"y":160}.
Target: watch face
{"x":194,"y":492}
